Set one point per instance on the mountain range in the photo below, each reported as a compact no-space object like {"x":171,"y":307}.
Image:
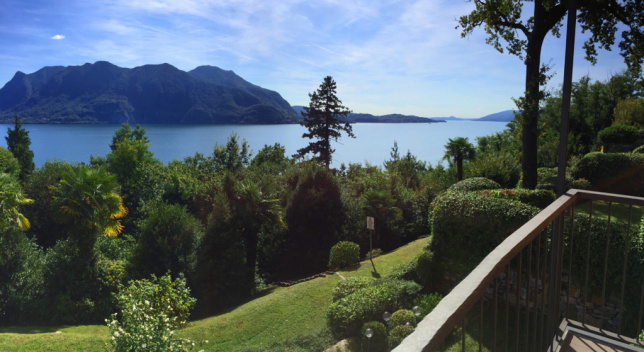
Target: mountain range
{"x":158,"y":94}
{"x":105,"y":93}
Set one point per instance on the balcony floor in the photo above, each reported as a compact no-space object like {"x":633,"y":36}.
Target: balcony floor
{"x":575,"y":339}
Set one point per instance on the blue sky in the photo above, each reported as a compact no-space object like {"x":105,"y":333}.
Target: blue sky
{"x":386,"y":56}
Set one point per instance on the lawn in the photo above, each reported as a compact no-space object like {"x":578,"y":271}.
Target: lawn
{"x":283,"y":314}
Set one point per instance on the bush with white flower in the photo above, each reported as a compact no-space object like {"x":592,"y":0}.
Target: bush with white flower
{"x":149,"y":313}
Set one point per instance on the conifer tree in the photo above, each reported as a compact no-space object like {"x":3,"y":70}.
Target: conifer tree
{"x":324,"y":119}
{"x":18,"y":143}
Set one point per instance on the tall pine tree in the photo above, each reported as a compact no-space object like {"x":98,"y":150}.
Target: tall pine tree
{"x":323,"y":120}
{"x":18,"y":143}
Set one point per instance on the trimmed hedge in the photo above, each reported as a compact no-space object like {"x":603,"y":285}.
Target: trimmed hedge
{"x":426,"y":269}
{"x":402,"y":317}
{"x":618,"y":134}
{"x":539,"y":198}
{"x":613,"y":172}
{"x":377,"y":342}
{"x":397,"y":334}
{"x":474,"y":184}
{"x":466,"y":226}
{"x":344,"y":254}
{"x":346,"y":316}
{"x":351,"y":285}
{"x":406,"y":271}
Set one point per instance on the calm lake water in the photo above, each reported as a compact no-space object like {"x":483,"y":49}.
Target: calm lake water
{"x":372,"y":144}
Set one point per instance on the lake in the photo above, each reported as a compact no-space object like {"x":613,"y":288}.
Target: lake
{"x":372,"y":144}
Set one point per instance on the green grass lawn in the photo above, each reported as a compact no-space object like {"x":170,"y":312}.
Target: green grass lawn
{"x":283,"y":314}
{"x":619,"y":212}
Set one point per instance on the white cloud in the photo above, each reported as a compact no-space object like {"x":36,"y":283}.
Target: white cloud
{"x":58,"y":37}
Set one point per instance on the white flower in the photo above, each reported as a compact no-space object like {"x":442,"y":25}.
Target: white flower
{"x":143,"y":345}
{"x":147,"y":302}
{"x":116,"y":334}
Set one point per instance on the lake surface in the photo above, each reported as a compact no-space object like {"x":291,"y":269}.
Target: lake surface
{"x":372,"y":144}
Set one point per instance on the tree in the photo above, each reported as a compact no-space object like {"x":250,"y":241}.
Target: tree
{"x":232,"y":156}
{"x":630,"y":112}
{"x":18,"y":143}
{"x":502,"y":20}
{"x":457,"y":150}
{"x":323,"y":120}
{"x":11,"y":197}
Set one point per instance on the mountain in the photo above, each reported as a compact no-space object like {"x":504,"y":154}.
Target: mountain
{"x":503,"y":116}
{"x":391,"y":118}
{"x":153,"y":94}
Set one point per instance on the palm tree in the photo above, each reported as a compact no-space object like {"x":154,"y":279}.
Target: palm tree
{"x":87,"y":197}
{"x":254,"y":207}
{"x":457,"y":150}
{"x":11,"y":197}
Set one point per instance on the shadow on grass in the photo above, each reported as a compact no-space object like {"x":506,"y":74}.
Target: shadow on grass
{"x":375,"y":273}
{"x":30,"y":329}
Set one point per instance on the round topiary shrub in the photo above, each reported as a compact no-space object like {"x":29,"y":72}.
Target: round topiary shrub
{"x":378,"y":340}
{"x":474,"y":184}
{"x":618,"y":134}
{"x":402,"y":317}
{"x":398,"y":334}
{"x":581,"y":183}
{"x":344,"y":254}
{"x":426,"y":269}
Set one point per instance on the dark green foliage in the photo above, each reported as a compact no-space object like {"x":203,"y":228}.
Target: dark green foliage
{"x":21,"y":276}
{"x":467,"y":226}
{"x":406,"y":271}
{"x":427,"y":303}
{"x":581,"y":183}
{"x":324,"y":118}
{"x":18,"y":143}
{"x":501,"y":167}
{"x":45,"y":223}
{"x":319,"y":340}
{"x":618,"y":134}
{"x":613,"y":172}
{"x":346,"y":316}
{"x":168,"y":240}
{"x":458,"y":150}
{"x":427,"y":269}
{"x":398,"y":334}
{"x":474,"y":184}
{"x":8,"y":163}
{"x":351,"y":285}
{"x":271,"y":159}
{"x":314,"y":218}
{"x":344,"y":254}
{"x":387,"y":216}
{"x":639,"y":150}
{"x":233,"y":156}
{"x":408,"y":167}
{"x":378,"y":341}
{"x":539,"y":198}
{"x":402,"y":317}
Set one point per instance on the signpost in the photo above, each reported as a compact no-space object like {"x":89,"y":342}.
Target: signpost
{"x":370,"y":226}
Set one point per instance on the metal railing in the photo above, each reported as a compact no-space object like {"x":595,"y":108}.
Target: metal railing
{"x":571,"y":261}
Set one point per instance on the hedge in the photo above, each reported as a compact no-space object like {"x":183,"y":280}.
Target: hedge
{"x":398,"y":334}
{"x":466,"y":226}
{"x":539,"y":198}
{"x":346,"y":316}
{"x":350,"y":285}
{"x":344,"y":254}
{"x":474,"y":184}
{"x":613,"y":172}
{"x":378,"y":341}
{"x":618,"y":134}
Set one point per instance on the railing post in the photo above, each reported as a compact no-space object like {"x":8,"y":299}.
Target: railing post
{"x":554,"y":280}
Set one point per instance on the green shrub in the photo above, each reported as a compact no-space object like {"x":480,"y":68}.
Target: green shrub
{"x":398,"y":334}
{"x":346,"y":316}
{"x":467,"y":226}
{"x":501,"y":167}
{"x":8,"y":163}
{"x":149,"y":312}
{"x":351,"y":285}
{"x":474,"y":184}
{"x":426,"y":269}
{"x":344,"y":254}
{"x":539,"y":198}
{"x":376,"y":252}
{"x":613,"y":172}
{"x":618,"y":134}
{"x":406,"y":271}
{"x":581,"y":183}
{"x":427,"y":303}
{"x":402,"y":317}
{"x":639,"y":150}
{"x":377,"y":342}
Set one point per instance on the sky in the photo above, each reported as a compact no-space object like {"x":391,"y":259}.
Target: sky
{"x":387,"y":56}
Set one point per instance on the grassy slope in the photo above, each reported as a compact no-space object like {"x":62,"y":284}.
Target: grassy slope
{"x":282,"y":314}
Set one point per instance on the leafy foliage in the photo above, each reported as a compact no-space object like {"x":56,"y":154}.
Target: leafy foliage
{"x":346,"y":316}
{"x":474,"y":184}
{"x":18,"y":143}
{"x":11,"y":197}
{"x":458,"y":150}
{"x":149,"y":313}
{"x":233,"y":156}
{"x":402,"y":317}
{"x":323,"y":118}
{"x":630,"y":112}
{"x":427,"y":303}
{"x":8,"y":163}
{"x":612,"y":172}
{"x":378,"y":341}
{"x":350,"y":285}
{"x":539,"y":198}
{"x":344,"y":254}
{"x":398,"y":334}
{"x":618,"y":134}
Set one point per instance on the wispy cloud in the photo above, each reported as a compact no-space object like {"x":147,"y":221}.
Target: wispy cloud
{"x":58,"y":37}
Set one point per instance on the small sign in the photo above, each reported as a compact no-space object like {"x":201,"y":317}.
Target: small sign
{"x":370,"y":223}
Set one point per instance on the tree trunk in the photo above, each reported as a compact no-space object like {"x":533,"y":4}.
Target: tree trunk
{"x":251,"y":253}
{"x":530,"y":112}
{"x":459,"y":168}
